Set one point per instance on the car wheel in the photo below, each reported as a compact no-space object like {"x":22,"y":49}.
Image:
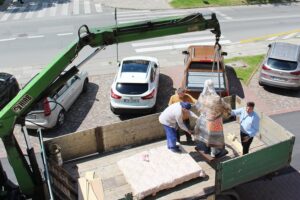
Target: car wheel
{"x":85,"y":85}
{"x":114,"y":110}
{"x":60,"y":118}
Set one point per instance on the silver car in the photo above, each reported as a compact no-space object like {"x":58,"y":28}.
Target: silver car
{"x":281,"y":66}
{"x":50,"y":112}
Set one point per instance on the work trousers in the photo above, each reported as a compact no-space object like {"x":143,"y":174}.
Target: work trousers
{"x":171,"y":137}
{"x":246,"y":145}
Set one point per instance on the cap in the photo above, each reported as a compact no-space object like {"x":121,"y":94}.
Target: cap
{"x":186,"y":105}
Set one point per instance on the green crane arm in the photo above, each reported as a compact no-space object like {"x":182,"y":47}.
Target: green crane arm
{"x":49,"y":76}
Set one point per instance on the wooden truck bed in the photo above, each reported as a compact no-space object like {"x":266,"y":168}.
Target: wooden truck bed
{"x":115,"y":185}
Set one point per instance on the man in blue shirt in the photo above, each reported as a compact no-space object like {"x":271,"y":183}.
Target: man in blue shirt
{"x":249,"y":123}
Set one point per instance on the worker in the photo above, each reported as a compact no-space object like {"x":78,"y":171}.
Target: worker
{"x":209,"y":127}
{"x":182,"y":96}
{"x":249,"y":124}
{"x":173,"y":115}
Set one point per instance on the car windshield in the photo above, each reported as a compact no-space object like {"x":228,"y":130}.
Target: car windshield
{"x":282,"y":64}
{"x":203,"y":65}
{"x":135,"y":66}
{"x":132,"y":88}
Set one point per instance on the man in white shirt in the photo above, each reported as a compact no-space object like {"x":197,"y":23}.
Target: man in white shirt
{"x":173,"y":114}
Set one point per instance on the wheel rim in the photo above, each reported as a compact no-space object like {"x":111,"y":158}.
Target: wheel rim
{"x":61,"y":118}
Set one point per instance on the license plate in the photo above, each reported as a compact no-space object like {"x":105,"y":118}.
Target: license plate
{"x":131,"y":100}
{"x":278,"y":79}
{"x":31,"y":116}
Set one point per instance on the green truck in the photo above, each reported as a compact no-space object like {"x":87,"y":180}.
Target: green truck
{"x":99,"y":149}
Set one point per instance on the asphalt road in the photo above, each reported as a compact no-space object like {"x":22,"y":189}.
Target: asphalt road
{"x":36,"y":42}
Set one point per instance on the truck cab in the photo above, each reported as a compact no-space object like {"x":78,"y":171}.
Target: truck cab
{"x":202,"y":63}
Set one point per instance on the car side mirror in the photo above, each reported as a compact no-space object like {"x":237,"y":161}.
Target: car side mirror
{"x":119,"y":64}
{"x":269,"y":45}
{"x":224,"y":54}
{"x":185,"y":52}
{"x":155,"y":65}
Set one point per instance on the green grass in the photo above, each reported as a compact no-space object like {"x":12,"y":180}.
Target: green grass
{"x":252,"y":64}
{"x":206,"y":3}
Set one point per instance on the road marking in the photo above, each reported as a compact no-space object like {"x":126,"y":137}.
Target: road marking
{"x":178,"y":46}
{"x":144,"y":18}
{"x":269,"y":36}
{"x":35,"y":36}
{"x":19,"y":13}
{"x":53,"y":9}
{"x":65,"y":8}
{"x":220,"y":13}
{"x":42,"y":11}
{"x":64,"y":34}
{"x":148,"y":12}
{"x":76,"y":7}
{"x":132,"y":12}
{"x":173,"y":41}
{"x":32,"y":8}
{"x":149,"y":16}
{"x":87,"y":7}
{"x":98,"y":7}
{"x":289,"y":36}
{"x":7,"y":39}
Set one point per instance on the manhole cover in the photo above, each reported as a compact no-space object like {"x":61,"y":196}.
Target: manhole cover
{"x":22,"y":35}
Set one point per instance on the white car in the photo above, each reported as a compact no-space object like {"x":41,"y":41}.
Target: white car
{"x":135,"y":86}
{"x":50,"y":112}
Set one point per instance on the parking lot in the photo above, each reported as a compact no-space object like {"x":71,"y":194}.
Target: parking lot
{"x":92,"y":109}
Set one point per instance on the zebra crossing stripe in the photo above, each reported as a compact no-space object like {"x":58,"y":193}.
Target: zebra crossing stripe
{"x":53,"y":10}
{"x":65,"y":8}
{"x":173,"y":41}
{"x":87,"y":7}
{"x":76,"y":7}
{"x":148,"y":16}
{"x":30,"y":13}
{"x":98,"y":7}
{"x":19,"y":13}
{"x":178,"y":46}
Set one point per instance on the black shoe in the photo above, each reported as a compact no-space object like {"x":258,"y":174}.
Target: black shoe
{"x":222,"y":153}
{"x":176,"y":150}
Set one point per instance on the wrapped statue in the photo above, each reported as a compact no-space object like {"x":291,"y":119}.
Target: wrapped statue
{"x":209,"y":126}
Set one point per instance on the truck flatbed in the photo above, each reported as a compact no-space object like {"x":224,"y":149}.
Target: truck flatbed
{"x":114,"y":183}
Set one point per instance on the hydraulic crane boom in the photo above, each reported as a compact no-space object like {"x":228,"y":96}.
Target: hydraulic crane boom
{"x":51,"y":78}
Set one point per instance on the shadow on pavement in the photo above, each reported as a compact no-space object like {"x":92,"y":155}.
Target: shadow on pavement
{"x":282,"y":91}
{"x":235,"y":86}
{"x":77,"y":112}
